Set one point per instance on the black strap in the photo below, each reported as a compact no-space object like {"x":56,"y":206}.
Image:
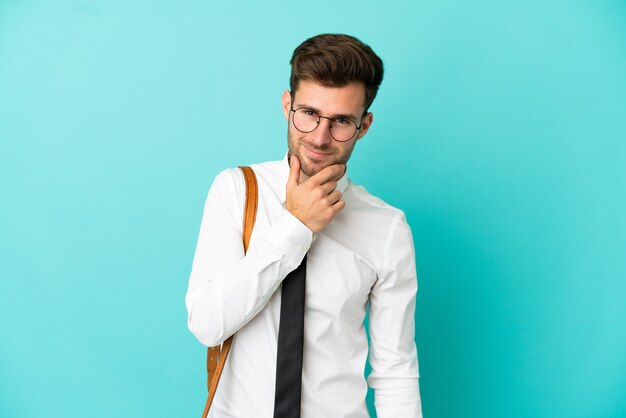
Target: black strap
{"x":290,"y":345}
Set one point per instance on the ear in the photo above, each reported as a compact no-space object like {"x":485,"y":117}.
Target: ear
{"x":365,"y":126}
{"x":286,"y":103}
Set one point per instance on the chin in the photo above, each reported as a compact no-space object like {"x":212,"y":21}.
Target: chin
{"x":308,"y":165}
{"x":311,"y":169}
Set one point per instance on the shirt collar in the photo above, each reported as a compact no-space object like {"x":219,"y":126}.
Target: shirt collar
{"x":342,"y":183}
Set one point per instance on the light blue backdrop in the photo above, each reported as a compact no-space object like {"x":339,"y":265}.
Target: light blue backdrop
{"x":500,"y":129}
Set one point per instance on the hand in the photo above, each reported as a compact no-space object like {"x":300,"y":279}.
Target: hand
{"x":315,"y":202}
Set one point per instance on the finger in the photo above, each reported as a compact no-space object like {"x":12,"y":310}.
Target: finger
{"x":341,"y":173}
{"x":333,"y":197}
{"x":332,"y":172}
{"x":328,"y":186}
{"x":294,"y":171}
{"x":339,"y":205}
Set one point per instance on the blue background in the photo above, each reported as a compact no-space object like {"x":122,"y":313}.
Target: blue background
{"x":500,"y":129}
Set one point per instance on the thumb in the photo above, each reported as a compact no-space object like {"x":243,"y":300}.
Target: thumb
{"x":294,"y":171}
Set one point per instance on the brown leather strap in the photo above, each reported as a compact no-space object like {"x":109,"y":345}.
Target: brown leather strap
{"x":252,"y":201}
{"x":216,"y":358}
{"x":212,"y":354}
{"x":218,"y":373}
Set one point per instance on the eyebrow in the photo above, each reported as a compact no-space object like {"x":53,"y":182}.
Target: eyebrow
{"x":336,"y":115}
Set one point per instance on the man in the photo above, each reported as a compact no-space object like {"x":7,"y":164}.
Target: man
{"x":355,"y":251}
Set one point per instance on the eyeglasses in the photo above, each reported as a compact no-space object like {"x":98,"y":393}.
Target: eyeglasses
{"x":342,"y":129}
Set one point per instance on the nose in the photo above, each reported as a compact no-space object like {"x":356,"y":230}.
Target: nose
{"x":321,"y":135}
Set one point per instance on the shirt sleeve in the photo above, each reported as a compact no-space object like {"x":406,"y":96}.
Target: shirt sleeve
{"x":393,"y":355}
{"x":227,"y":288}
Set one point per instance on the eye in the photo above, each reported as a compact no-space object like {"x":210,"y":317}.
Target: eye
{"x":342,"y":121}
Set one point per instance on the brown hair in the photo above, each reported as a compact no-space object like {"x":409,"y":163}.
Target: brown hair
{"x":336,"y":60}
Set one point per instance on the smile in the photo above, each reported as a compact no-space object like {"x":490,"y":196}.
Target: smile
{"x":317,"y":154}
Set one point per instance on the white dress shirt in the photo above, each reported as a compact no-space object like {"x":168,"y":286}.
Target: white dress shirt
{"x":365,"y":254}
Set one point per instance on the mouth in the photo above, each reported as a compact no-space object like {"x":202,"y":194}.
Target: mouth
{"x":316,"y":154}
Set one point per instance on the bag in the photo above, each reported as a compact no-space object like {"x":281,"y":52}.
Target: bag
{"x":216,"y":358}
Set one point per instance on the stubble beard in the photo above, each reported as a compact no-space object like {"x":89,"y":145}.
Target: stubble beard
{"x":295,"y":145}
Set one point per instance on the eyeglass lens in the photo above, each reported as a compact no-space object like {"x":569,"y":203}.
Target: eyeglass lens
{"x":341,"y":129}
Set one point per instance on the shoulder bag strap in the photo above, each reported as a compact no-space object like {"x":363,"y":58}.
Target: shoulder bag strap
{"x":215,"y":359}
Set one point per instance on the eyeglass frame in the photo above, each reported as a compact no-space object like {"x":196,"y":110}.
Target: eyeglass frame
{"x":320,"y":117}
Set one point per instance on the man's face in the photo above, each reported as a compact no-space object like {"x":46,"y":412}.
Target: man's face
{"x":317,"y":150}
